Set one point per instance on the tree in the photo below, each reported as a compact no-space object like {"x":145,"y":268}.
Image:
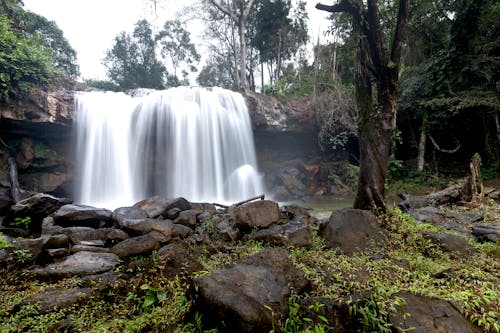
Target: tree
{"x":277,"y":35}
{"x":238,"y":11}
{"x":217,"y":73}
{"x":132,"y":61}
{"x":23,"y":61}
{"x":176,"y":45}
{"x":379,"y":64}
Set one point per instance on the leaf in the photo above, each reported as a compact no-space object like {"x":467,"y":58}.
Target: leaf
{"x":148,"y":301}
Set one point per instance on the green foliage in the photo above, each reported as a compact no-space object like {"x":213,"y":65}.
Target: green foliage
{"x":154,"y":296}
{"x":102,"y":84}
{"x":23,"y":61}
{"x":22,"y":222}
{"x":3,"y":242}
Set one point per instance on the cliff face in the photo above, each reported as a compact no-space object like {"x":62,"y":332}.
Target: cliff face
{"x":37,"y":131}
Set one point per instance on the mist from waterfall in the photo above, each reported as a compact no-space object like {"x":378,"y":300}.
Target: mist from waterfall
{"x":191,"y":142}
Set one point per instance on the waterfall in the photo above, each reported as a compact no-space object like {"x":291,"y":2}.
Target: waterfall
{"x":191,"y":142}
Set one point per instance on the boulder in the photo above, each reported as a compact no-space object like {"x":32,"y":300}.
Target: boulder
{"x":34,"y":247}
{"x":201,"y":207}
{"x":136,"y":245}
{"x":352,"y":230}
{"x":60,"y":298}
{"x":187,"y":218}
{"x":288,"y":234}
{"x":260,"y":214}
{"x":79,"y":264}
{"x":5,"y":198}
{"x":429,"y":315}
{"x":80,"y":215}
{"x":159,"y":206}
{"x":78,"y":235}
{"x":36,"y":207}
{"x":123,"y":213}
{"x":451,"y":243}
{"x":145,"y":226}
{"x":250,"y":295}
{"x":181,"y":231}
{"x":49,"y":227}
{"x":486,"y":232}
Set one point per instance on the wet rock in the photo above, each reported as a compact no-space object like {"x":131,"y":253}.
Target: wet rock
{"x":451,"y":243}
{"x":158,"y":206}
{"x":260,"y":214}
{"x":79,"y":264}
{"x":80,"y":215}
{"x":136,"y":245}
{"x":292,"y":234}
{"x":123,"y":213}
{"x":250,"y":295}
{"x":486,"y":232}
{"x":36,"y":207}
{"x":51,"y":299}
{"x":187,"y":218}
{"x":429,"y":315}
{"x":352,"y":230}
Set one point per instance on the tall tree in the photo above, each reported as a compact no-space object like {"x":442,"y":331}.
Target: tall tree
{"x":238,"y":11}
{"x":132,"y":61}
{"x":176,"y":45}
{"x":377,"y":117}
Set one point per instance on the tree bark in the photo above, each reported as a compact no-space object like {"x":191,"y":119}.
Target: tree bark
{"x":377,"y":121}
{"x":421,"y":146}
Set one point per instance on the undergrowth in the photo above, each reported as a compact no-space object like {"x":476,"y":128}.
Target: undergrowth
{"x":149,"y":300}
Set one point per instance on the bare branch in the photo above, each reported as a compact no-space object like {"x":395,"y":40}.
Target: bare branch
{"x":225,"y":10}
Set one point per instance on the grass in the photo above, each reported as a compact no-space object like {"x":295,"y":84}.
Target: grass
{"x":150,"y":300}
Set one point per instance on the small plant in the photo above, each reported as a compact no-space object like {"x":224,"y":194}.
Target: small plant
{"x":153,"y":296}
{"x":3,"y":242}
{"x":22,"y":222}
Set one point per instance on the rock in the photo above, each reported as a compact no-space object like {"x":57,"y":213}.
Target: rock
{"x":136,"y":245}
{"x":178,"y":257}
{"x":352,"y":230}
{"x":145,"y":226}
{"x":226,"y":227}
{"x":429,"y":315}
{"x":260,"y":214}
{"x":250,"y":295}
{"x":37,"y":207}
{"x":173,"y":213}
{"x":49,"y":227}
{"x":80,"y":215}
{"x":187,"y":218}
{"x":78,"y":235}
{"x":451,"y":243}
{"x":5,"y":198}
{"x":181,"y":231}
{"x":79,"y":264}
{"x":89,"y":248}
{"x":57,"y":253}
{"x":51,"y":299}
{"x":34,"y":247}
{"x":292,"y":234}
{"x":158,"y":206}
{"x":335,"y":311}
{"x":204,"y":207}
{"x":123,"y":213}
{"x":486,"y":232}
{"x":116,"y":236}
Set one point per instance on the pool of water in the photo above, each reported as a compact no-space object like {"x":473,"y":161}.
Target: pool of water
{"x":322,"y":206}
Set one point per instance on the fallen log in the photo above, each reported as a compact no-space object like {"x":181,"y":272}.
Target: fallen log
{"x":462,"y":191}
{"x":259,"y":197}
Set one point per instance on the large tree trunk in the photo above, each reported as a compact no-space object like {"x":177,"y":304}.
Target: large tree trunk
{"x":243,"y":55}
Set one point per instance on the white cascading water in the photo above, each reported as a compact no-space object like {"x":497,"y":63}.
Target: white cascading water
{"x":191,"y":142}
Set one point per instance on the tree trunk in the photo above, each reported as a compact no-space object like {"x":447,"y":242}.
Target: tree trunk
{"x":374,"y":142}
{"x":243,"y":55}
{"x":421,"y":146}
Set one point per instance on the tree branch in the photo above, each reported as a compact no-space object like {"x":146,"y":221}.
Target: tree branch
{"x":399,"y":32}
{"x":344,"y":6}
{"x":247,"y":8}
{"x":225,"y":10}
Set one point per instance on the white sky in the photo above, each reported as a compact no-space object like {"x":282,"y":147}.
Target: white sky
{"x":91,"y":25}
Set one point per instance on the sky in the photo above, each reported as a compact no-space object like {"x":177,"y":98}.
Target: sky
{"x":91,"y":25}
